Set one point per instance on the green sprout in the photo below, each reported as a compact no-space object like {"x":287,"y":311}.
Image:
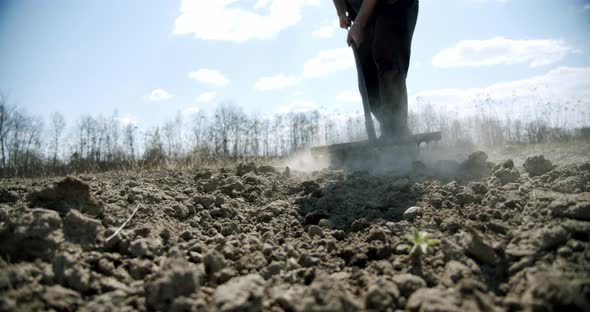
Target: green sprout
{"x":422,"y":241}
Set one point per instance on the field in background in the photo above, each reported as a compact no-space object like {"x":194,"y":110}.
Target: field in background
{"x":561,"y":153}
{"x":34,"y":146}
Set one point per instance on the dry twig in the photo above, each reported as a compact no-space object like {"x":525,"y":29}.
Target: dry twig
{"x":124,"y":223}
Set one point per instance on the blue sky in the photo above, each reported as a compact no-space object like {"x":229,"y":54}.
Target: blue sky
{"x":152,"y":59}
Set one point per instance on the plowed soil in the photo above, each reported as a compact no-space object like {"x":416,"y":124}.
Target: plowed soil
{"x":260,"y":238}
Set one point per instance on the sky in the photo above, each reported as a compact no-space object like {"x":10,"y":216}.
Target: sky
{"x":150,"y":60}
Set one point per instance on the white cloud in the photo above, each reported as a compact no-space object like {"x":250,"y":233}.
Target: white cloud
{"x":158,"y":95}
{"x":261,"y":4}
{"x":298,"y":106}
{"x":206,"y":97}
{"x":327,"y":62}
{"x":349,"y":96}
{"x":324,"y":32}
{"x":503,"y":51}
{"x":236,"y":20}
{"x":209,"y":76}
{"x":523,"y":98}
{"x":280,"y":81}
{"x":126,"y":120}
{"x":191,"y":110}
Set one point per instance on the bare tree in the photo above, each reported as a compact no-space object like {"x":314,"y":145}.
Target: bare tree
{"x":199,"y":131}
{"x":227,"y":129}
{"x":172,"y":131}
{"x":58,"y":124}
{"x":5,"y":112}
{"x":130,"y":140}
{"x":154,"y":148}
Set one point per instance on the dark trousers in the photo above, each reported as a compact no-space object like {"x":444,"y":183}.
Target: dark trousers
{"x":383,"y":60}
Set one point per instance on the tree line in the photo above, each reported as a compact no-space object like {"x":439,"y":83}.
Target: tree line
{"x":30,"y":145}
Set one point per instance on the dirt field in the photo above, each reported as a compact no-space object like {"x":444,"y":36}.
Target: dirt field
{"x":262,"y":238}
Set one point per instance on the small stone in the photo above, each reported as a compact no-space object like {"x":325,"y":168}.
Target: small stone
{"x":232,"y":187}
{"x":177,"y":278}
{"x":243,"y":293}
{"x":145,"y":247}
{"x":60,"y":298}
{"x":508,"y":164}
{"x":244,"y":168}
{"x":219,"y":200}
{"x":576,"y":245}
{"x":578,"y":228}
{"x":315,"y":230}
{"x":111,"y":284}
{"x":408,"y":283}
{"x":266,"y":169}
{"x":382,"y":295}
{"x":208,"y":185}
{"x":7,"y":196}
{"x":80,"y":228}
{"x":537,"y":165}
{"x":455,"y":271}
{"x":106,"y":267}
{"x":203,"y":174}
{"x":359,"y":225}
{"x":214,"y":262}
{"x":412,"y":212}
{"x":478,"y":249}
{"x":325,"y":223}
{"x":272,"y":269}
{"x":70,"y":273}
{"x":232,"y":228}
{"x":550,"y":238}
{"x":431,"y":299}
{"x":563,"y":208}
{"x":564,"y":251}
{"x":553,"y":291}
{"x":186,"y":235}
{"x":195,"y":257}
{"x":478,"y":188}
{"x":204,"y":200}
{"x":506,"y":175}
{"x":498,"y":227}
{"x":226,"y":274}
{"x":307,"y":260}
{"x":339,"y":234}
{"x":377,"y":235}
{"x":140,"y":268}
{"x":476,"y":161}
{"x":580,"y":211}
{"x":292,"y":264}
{"x":143,"y":231}
{"x":465,"y":198}
{"x":184,"y":304}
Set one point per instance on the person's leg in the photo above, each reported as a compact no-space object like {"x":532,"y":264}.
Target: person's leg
{"x":394,"y":28}
{"x":368,"y":80}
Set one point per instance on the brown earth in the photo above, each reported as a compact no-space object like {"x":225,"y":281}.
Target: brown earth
{"x":259,"y":238}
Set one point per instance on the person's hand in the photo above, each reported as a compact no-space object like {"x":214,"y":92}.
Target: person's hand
{"x":344,"y":21}
{"x":355,"y":35}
